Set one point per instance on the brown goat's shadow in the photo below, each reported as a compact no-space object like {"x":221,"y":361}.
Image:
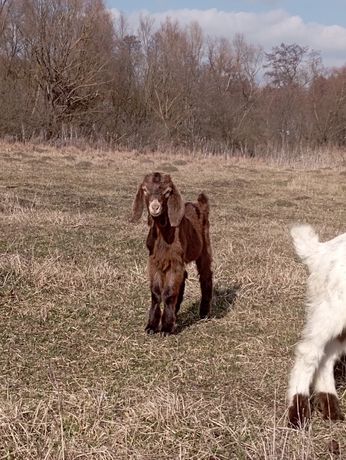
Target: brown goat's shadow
{"x":223,"y":300}
{"x":340,"y":373}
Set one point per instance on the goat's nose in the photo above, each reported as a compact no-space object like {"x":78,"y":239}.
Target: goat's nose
{"x":155,"y":207}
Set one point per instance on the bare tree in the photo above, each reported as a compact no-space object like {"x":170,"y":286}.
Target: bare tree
{"x":230,"y":87}
{"x":67,"y":68}
{"x":66,"y":43}
{"x":126,"y":89}
{"x":287,"y":65}
{"x":174,"y":63}
{"x":328,"y":105}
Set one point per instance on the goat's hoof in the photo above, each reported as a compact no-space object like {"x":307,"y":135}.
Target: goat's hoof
{"x":204,"y":311}
{"x":165,"y":332}
{"x":299,"y":412}
{"x":150,"y":330}
{"x":329,"y":405}
{"x":204,"y":316}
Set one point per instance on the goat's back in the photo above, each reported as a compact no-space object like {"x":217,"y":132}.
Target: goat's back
{"x":197,"y":213}
{"x":332,"y":258}
{"x":193,"y":227}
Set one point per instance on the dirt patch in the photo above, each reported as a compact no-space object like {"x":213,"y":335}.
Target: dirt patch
{"x":284,"y":203}
{"x":84,"y":165}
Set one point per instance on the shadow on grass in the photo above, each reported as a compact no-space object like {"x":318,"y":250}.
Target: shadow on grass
{"x":340,"y":374}
{"x":223,"y":300}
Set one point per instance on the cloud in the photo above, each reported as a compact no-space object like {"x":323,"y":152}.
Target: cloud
{"x":266,"y":29}
{"x":265,"y":2}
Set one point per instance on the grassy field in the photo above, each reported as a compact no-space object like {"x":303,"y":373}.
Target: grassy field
{"x":79,"y":378}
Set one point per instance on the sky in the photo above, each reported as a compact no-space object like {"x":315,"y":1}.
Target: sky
{"x":319,"y":24}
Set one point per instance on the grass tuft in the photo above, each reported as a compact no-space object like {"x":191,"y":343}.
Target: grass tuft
{"x":79,"y":377}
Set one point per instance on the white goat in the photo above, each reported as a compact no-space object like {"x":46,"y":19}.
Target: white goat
{"x":324,"y":335}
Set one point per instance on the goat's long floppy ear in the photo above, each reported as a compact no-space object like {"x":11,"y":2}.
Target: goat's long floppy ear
{"x":176,"y":207}
{"x":138,"y":204}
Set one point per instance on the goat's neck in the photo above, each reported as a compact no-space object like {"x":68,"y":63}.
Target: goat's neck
{"x":164,"y":227}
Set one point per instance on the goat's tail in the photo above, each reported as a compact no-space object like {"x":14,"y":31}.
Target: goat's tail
{"x":306,"y":242}
{"x":203,"y":204}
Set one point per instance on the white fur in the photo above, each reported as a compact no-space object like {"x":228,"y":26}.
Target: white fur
{"x":320,"y":347}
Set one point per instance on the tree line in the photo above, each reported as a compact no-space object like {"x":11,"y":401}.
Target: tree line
{"x":68,"y":70}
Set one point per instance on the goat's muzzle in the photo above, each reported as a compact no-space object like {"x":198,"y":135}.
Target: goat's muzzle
{"x":155,"y":208}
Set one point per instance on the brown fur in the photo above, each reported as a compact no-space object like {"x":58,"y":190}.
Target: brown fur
{"x":300,"y":411}
{"x":329,"y":406}
{"x":177,"y":236}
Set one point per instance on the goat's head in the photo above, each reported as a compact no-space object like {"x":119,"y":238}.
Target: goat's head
{"x":161,"y":196}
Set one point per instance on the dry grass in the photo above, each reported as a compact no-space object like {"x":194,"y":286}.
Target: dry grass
{"x":79,"y":379}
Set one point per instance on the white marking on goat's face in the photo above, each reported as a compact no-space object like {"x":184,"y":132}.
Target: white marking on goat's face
{"x":155,"y":207}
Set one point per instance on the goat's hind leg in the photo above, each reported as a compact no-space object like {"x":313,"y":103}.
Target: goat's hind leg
{"x":309,"y":353}
{"x":203,"y":264}
{"x":324,"y":384}
{"x":154,"y":319}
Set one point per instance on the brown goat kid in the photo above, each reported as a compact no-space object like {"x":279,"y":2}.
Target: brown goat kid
{"x":178,"y":234}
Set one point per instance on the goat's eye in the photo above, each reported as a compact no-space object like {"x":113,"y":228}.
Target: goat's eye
{"x":145,"y":191}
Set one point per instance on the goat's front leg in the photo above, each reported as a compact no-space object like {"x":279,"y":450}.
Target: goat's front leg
{"x":153,"y":325}
{"x":170,"y":297}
